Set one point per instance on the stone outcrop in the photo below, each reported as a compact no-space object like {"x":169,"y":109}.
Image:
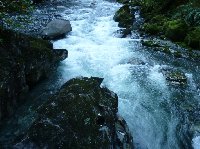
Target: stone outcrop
{"x":125,"y":18}
{"x":56,"y":28}
{"x":24,"y":61}
{"x":174,"y":76}
{"x":82,"y":115}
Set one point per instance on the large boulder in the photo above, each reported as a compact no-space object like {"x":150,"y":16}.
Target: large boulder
{"x":24,"y":61}
{"x":82,"y":115}
{"x":124,"y":16}
{"x":56,"y":28}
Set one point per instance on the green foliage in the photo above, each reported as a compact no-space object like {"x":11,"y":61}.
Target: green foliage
{"x":152,"y":28}
{"x":193,"y":38}
{"x":178,"y":20}
{"x":160,"y":6}
{"x":175,"y":30}
{"x":155,"y":24}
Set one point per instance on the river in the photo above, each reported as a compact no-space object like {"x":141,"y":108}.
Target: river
{"x":159,"y":116}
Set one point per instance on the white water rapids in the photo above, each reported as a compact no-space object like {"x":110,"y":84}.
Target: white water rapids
{"x":145,"y":100}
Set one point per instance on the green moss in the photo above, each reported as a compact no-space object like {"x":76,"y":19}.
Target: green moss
{"x":159,"y":19}
{"x":193,"y":38}
{"x":152,"y":28}
{"x":175,"y":30}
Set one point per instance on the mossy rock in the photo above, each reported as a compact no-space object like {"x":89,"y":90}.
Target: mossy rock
{"x":193,"y":38}
{"x":82,"y":115}
{"x":124,"y":16}
{"x":176,"y":77}
{"x":24,"y":62}
{"x":175,"y":30}
{"x":150,"y":43}
{"x":164,"y":49}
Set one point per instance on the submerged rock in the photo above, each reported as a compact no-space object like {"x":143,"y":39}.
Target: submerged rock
{"x":24,"y":61}
{"x":60,"y":54}
{"x":56,"y":29}
{"x":81,"y":115}
{"x":150,"y":43}
{"x":135,"y":61}
{"x":174,"y":77}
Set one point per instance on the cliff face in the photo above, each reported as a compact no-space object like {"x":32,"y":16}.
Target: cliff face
{"x":82,"y":115}
{"x":24,"y":61}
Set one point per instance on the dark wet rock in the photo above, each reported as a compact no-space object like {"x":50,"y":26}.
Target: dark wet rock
{"x":174,"y":76}
{"x":124,"y":16}
{"x":24,"y":61}
{"x":150,"y":43}
{"x":123,"y":33}
{"x":123,"y":136}
{"x":60,"y":54}
{"x":56,"y":28}
{"x":136,"y":61}
{"x":156,"y":46}
{"x":195,"y":129}
{"x":81,"y":115}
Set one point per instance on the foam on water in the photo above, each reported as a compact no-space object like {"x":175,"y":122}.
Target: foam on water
{"x":93,"y":50}
{"x":142,"y":89}
{"x":196,"y":142}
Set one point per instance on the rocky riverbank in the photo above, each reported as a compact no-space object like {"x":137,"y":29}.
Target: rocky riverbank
{"x":25,"y":61}
{"x":34,"y":22}
{"x":169,"y":20}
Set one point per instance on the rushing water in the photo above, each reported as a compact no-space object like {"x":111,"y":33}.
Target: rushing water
{"x":159,"y":116}
{"x":155,"y":112}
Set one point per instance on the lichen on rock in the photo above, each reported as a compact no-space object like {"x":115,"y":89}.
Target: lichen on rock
{"x":81,"y":115}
